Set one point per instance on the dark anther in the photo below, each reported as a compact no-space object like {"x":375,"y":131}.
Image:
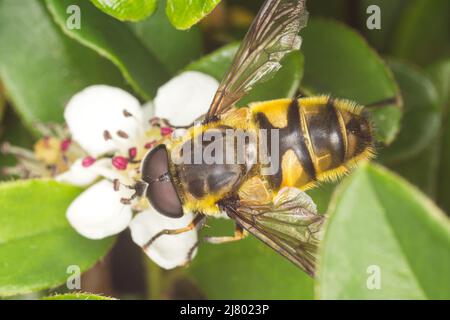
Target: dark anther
{"x":127,"y":114}
{"x":107,"y":135}
{"x":122,"y":134}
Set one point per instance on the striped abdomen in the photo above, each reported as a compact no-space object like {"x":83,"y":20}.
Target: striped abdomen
{"x":319,"y":138}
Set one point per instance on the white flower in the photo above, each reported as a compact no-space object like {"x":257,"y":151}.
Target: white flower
{"x":96,"y":109}
{"x":97,"y":219}
{"x":101,"y":112}
{"x":185,"y":98}
{"x":165,"y":250}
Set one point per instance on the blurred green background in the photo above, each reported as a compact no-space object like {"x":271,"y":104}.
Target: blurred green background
{"x":390,"y":214}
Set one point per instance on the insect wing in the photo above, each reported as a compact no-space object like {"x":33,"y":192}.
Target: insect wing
{"x":273,"y":34}
{"x":290,"y":225}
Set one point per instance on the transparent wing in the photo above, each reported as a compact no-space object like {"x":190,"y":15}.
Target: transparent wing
{"x":290,"y":225}
{"x":273,"y":34}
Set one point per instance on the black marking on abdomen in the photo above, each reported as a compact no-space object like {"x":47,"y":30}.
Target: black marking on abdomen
{"x":338,"y":146}
{"x":291,"y":138}
{"x":326,"y":135}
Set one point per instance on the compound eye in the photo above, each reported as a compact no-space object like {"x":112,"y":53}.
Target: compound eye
{"x":161,"y":191}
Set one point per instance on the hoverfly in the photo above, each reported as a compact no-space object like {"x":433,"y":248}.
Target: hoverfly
{"x":319,"y":138}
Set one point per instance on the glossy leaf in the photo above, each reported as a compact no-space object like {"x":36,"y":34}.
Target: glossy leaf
{"x":422,"y":114}
{"x":246,"y":269}
{"x":382,"y":228}
{"x":183,"y":47}
{"x":184,"y":14}
{"x":113,"y":40}
{"x":443,"y":187}
{"x":423,"y":31}
{"x":440,"y":74}
{"x":77,"y":296}
{"x":339,"y":62}
{"x":131,"y":10}
{"x":422,"y":169}
{"x":37,"y":244}
{"x":40,"y":67}
{"x":284,"y":84}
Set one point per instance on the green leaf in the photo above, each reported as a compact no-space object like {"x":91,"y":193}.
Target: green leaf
{"x":381,"y":225}
{"x":440,"y":73}
{"x":115,"y":41}
{"x":40,"y":67}
{"x":284,"y":83}
{"x":37,"y":244}
{"x":339,"y":62}
{"x":422,"y":169}
{"x":422,"y":114}
{"x":423,"y":31}
{"x":184,"y":14}
{"x":443,"y":187}
{"x":131,"y":10}
{"x":246,"y":269}
{"x":183,"y":47}
{"x":77,"y":296}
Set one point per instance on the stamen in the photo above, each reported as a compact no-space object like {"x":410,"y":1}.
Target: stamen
{"x":155,"y":122}
{"x":12,"y":171}
{"x":122,"y":134}
{"x":65,"y":144}
{"x":42,"y":129}
{"x":107,"y":135}
{"x":165,"y":131}
{"x":150,"y":144}
{"x":116,"y":184}
{"x":120,"y":163}
{"x":132,"y":153}
{"x":18,"y":152}
{"x":127,"y":114}
{"x":88,"y":161}
{"x":125,"y":201}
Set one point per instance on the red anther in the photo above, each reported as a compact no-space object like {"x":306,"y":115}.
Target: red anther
{"x":132,"y":153}
{"x":119,"y":162}
{"x":65,"y":144}
{"x":149,"y":145}
{"x":88,"y":161}
{"x":165,"y":131}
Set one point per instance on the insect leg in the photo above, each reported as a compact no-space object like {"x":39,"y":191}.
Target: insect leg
{"x":383,"y":103}
{"x":198,"y":219}
{"x":239,"y":234}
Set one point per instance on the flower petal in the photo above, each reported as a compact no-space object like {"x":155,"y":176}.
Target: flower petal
{"x":98,"y":213}
{"x":79,"y":175}
{"x":98,"y":108}
{"x":185,"y":98}
{"x":168,"y":251}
